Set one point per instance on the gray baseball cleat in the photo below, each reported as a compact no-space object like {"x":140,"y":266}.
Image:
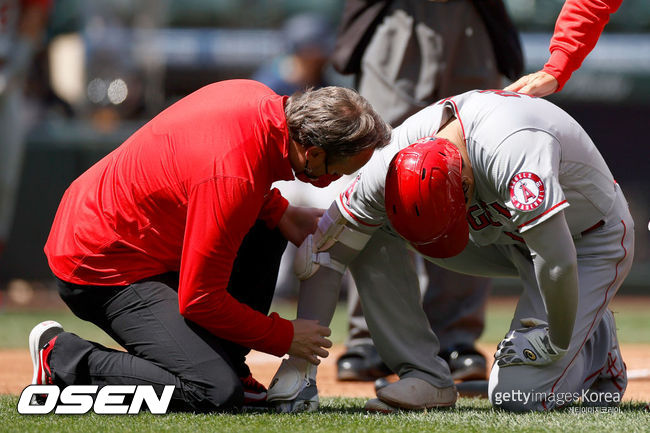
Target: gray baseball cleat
{"x":413,"y":393}
{"x":293,"y":388}
{"x":305,"y":401}
{"x":376,"y":405}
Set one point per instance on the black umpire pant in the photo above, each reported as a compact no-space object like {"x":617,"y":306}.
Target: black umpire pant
{"x":164,"y":348}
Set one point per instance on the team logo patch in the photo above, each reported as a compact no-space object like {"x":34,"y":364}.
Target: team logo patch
{"x":526,"y":191}
{"x":530,"y":354}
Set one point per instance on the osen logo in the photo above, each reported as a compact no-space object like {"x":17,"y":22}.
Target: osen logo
{"x":80,"y":399}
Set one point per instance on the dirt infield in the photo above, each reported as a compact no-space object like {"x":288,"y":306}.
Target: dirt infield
{"x":16,"y":372}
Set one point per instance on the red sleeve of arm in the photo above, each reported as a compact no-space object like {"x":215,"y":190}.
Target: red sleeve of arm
{"x":220,"y":213}
{"x":577,"y":30}
{"x":273,"y":208}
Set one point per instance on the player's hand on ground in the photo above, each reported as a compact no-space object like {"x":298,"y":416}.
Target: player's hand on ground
{"x":530,"y":345}
{"x":299,"y":222}
{"x":309,"y":340}
{"x":539,"y":83}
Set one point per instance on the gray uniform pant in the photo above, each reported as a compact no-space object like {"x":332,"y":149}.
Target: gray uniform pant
{"x":389,"y":295}
{"x":604,"y":259}
{"x":424,"y":51}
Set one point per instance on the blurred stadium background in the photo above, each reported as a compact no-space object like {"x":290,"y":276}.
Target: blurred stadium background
{"x":109,"y":66}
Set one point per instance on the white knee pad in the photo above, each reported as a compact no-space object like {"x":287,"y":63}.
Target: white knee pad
{"x":332,"y":228}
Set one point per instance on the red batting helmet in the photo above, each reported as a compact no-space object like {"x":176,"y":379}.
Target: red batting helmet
{"x":424,"y":197}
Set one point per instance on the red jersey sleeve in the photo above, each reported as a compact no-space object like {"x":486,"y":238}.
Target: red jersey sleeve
{"x":273,"y":208}
{"x":577,"y":30}
{"x":220,"y":213}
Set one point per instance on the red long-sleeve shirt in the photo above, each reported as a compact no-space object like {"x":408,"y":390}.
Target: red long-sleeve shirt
{"x":577,"y":30}
{"x":180,"y":195}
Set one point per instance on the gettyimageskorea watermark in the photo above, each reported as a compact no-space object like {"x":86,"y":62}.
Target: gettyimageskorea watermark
{"x":593,"y":399}
{"x":594,"y":409}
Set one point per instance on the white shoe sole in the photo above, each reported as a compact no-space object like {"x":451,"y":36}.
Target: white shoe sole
{"x":40,"y":335}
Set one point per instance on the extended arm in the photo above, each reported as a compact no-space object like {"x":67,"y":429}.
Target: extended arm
{"x":577,"y":30}
{"x":556,"y":267}
{"x":220,"y":213}
{"x":539,"y":343}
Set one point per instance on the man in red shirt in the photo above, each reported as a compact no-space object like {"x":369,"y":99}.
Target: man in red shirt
{"x":171,"y":243}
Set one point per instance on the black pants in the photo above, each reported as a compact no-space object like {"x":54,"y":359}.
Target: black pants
{"x":164,"y":348}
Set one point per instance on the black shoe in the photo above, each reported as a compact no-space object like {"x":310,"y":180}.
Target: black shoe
{"x":465,"y":363}
{"x":361,"y":363}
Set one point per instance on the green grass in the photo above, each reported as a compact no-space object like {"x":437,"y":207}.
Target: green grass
{"x":15,"y":326}
{"x":632,"y":320}
{"x":336,"y":415}
{"x":631,"y":314}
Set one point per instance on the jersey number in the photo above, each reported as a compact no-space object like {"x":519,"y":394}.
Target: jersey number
{"x":479,"y":218}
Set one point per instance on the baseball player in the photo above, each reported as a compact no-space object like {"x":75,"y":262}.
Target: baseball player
{"x":497,"y":184}
{"x":406,"y":58}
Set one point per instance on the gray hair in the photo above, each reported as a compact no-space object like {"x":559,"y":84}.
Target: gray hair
{"x":336,"y":119}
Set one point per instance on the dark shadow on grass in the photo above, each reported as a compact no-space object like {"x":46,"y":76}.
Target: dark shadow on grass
{"x":361,"y":410}
{"x":627,"y":406}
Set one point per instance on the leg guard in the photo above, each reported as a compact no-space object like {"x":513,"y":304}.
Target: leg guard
{"x":313,"y":253}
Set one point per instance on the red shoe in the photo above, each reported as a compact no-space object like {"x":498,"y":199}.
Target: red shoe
{"x":254,"y":392}
{"x":41,"y":342}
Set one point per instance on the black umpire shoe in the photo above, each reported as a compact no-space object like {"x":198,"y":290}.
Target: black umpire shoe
{"x":465,"y":363}
{"x":361,"y":363}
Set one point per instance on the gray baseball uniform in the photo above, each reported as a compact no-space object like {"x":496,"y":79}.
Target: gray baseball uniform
{"x":530,"y":161}
{"x":423,"y":51}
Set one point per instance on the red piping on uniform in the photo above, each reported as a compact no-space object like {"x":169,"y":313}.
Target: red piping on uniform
{"x":599,"y":309}
{"x":355,"y":217}
{"x":542,"y":214}
{"x":598,"y":225}
{"x":593,"y":374}
{"x":514,"y":236}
